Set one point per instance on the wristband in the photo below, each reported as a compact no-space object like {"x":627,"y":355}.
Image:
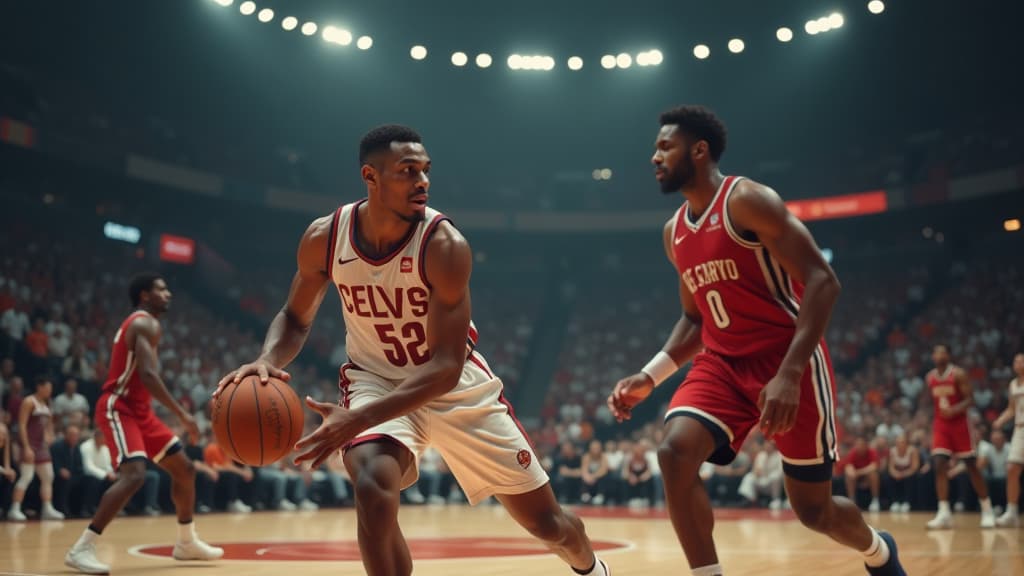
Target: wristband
{"x":660,"y":367}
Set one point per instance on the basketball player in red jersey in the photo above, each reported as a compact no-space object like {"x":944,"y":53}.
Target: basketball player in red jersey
{"x":414,"y":378}
{"x":134,"y":434}
{"x":756,"y":296}
{"x":952,"y":396}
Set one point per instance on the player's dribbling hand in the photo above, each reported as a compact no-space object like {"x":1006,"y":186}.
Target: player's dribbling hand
{"x":261,"y":368}
{"x":778,"y":402}
{"x":629,"y":392}
{"x":340,"y":425}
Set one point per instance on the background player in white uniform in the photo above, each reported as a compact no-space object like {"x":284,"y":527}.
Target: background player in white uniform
{"x":402,"y":272}
{"x":1015,"y":412}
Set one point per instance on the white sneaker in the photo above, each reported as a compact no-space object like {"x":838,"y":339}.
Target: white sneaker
{"x":896,"y":507}
{"x":15,"y":515}
{"x":196,"y":550}
{"x":1008,"y":520}
{"x":775,"y":505}
{"x":598,"y":500}
{"x":415,"y":496}
{"x":83,"y":558}
{"x":940,"y":522}
{"x":874,"y":506}
{"x":905,"y":508}
{"x":435,"y":499}
{"x":51,"y":513}
{"x":988,"y":520}
{"x":239,"y":507}
{"x":287,"y":505}
{"x":308,"y":504}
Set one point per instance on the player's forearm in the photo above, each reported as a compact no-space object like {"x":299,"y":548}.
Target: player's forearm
{"x":437,"y":378}
{"x":820,"y":295}
{"x":152,"y":381}
{"x":961,"y":407}
{"x":684,"y":341}
{"x":285,"y":339}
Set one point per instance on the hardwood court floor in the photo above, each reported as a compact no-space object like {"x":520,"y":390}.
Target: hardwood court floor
{"x":454,"y":540}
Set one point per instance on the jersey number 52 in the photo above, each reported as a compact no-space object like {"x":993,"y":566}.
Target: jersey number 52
{"x":404,"y":345}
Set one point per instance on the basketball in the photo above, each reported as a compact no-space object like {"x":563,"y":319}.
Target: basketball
{"x":257,"y":424}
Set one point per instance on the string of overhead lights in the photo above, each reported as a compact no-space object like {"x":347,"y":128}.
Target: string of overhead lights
{"x":537,"y":62}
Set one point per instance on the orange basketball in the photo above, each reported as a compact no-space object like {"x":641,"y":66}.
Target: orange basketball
{"x":257,"y":424}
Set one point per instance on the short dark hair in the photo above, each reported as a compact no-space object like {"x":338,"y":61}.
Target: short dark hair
{"x":141,"y":283}
{"x":381,"y":137}
{"x":41,"y":381}
{"x":944,"y":346}
{"x":700,"y":123}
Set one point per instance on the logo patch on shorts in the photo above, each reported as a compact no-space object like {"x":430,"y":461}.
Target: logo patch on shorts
{"x":524,"y":458}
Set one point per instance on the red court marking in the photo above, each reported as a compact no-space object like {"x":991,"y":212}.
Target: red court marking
{"x":422,"y":549}
{"x":621,"y":512}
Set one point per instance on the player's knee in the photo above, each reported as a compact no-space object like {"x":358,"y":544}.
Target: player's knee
{"x":377,"y":497}
{"x":552,"y":528}
{"x":679,"y":453}
{"x":134,"y":477}
{"x":817,"y":517}
{"x":186,"y":472}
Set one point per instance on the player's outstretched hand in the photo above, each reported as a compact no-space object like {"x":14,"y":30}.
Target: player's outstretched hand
{"x":261,"y":368}
{"x":629,"y":392}
{"x":340,"y":425}
{"x":778,"y":402}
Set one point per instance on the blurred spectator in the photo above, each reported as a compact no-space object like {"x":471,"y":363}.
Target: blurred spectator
{"x":68,"y":470}
{"x":98,"y":472}
{"x":904,"y":463}
{"x":15,"y":323}
{"x":7,"y":473}
{"x":724,"y":482}
{"x":639,"y":476}
{"x":594,"y":472}
{"x":765,"y":477}
{"x":993,"y":460}
{"x":569,"y":473}
{"x":77,"y":365}
{"x":231,"y":475}
{"x":35,"y":433}
{"x":861,"y":470}
{"x":69,"y":403}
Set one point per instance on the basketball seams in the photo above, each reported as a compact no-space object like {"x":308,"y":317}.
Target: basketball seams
{"x":287,"y":408}
{"x":259,"y":416}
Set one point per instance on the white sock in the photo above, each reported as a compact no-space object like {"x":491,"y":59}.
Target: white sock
{"x":944,"y":508}
{"x":15,"y":506}
{"x":48,"y":506}
{"x":712,"y":570}
{"x":599,"y":569}
{"x":878,"y":553}
{"x":986,"y":506}
{"x":186,"y":532}
{"x":88,"y":537}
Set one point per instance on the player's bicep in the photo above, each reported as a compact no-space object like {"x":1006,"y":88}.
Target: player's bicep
{"x":760,"y":210}
{"x":448,"y":266}
{"x":143,"y":348}
{"x":311,"y":279}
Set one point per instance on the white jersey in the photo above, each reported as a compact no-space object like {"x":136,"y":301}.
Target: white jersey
{"x":384,"y":300}
{"x":1017,"y":395}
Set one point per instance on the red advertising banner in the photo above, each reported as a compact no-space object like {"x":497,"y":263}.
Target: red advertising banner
{"x":17,"y":133}
{"x":177,"y":249}
{"x":839,"y":206}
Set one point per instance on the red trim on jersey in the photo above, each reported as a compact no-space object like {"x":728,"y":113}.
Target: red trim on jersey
{"x":474,"y":336}
{"x":333,"y":235}
{"x":355,"y":246}
{"x":512,"y":414}
{"x":427,"y":234}
{"x":344,"y":382}
{"x":472,"y":358}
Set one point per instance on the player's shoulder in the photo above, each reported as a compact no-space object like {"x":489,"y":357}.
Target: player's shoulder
{"x":320,"y":229}
{"x":752,"y":191}
{"x":446,"y":237}
{"x":448,"y":257}
{"x":144,"y":323}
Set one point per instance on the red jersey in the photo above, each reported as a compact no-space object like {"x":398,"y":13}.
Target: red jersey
{"x":945,"y":392}
{"x":122,"y":379}
{"x":748,"y":303}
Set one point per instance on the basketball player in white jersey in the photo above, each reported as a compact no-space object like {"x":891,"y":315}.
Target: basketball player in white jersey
{"x":413,"y":379}
{"x":1015,"y":412}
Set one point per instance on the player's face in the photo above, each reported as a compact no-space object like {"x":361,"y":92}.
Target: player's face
{"x":159,"y":296}
{"x":673,"y":166}
{"x":1018,"y":364}
{"x":400,"y":180}
{"x":45,"y":390}
{"x":940,"y":356}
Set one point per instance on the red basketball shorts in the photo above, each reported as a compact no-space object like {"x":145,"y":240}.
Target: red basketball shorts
{"x":722,"y":394}
{"x":952,"y":438}
{"x":129,"y":434}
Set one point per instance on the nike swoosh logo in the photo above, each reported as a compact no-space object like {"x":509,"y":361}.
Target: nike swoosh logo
{"x":342,"y":261}
{"x":679,"y":239}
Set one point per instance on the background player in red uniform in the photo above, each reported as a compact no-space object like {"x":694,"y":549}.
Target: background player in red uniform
{"x":952,"y":396}
{"x":134,"y":434}
{"x":756,"y":296}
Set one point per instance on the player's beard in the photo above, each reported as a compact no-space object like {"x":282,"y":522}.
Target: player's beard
{"x":677,"y":179}
{"x":414,"y":218}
